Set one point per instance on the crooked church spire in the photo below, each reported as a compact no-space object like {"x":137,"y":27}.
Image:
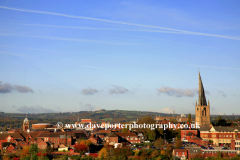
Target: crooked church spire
{"x":201,"y":99}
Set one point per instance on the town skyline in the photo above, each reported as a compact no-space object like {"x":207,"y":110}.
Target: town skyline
{"x":138,"y":55}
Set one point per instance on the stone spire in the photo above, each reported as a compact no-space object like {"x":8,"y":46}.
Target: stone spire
{"x":201,"y":99}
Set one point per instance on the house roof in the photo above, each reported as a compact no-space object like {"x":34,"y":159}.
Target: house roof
{"x":18,"y":140}
{"x":77,"y":134}
{"x":93,"y":138}
{"x":196,"y":138}
{"x":126,"y":134}
{"x":105,"y":134}
{"x":62,"y":146}
{"x":190,"y":134}
{"x":34,"y":134}
{"x":18,"y":147}
{"x":14,"y":135}
{"x":180,"y":150}
{"x":6,"y":144}
{"x":228,"y":129}
{"x":204,"y":128}
{"x":51,"y":134}
{"x":113,"y":134}
{"x":103,"y":131}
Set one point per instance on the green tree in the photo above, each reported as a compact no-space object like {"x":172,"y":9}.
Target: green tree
{"x":222,"y":122}
{"x":189,"y":118}
{"x":155,"y":153}
{"x":148,"y":133}
{"x":178,"y":144}
{"x":219,"y":119}
{"x":33,"y":148}
{"x":219,"y":154}
{"x":49,"y":150}
{"x":169,"y":151}
{"x":158,"y":143}
{"x":237,"y":157}
{"x":144,"y":153}
{"x":102,"y":153}
{"x":125,"y":129}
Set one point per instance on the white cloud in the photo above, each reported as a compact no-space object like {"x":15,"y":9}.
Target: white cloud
{"x":166,"y":110}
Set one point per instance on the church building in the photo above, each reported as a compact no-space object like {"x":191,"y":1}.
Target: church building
{"x":202,"y":109}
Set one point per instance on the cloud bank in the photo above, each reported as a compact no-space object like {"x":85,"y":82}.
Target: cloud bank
{"x":89,"y":91}
{"x":118,"y":90}
{"x":34,"y":109}
{"x":88,"y":107}
{"x":7,"y":88}
{"x":178,"y":92}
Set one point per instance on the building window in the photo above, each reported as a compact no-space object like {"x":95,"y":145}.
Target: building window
{"x":230,"y":135}
{"x":219,"y":135}
{"x":226,"y":135}
{"x":176,"y":153}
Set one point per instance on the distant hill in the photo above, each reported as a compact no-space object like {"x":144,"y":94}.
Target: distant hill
{"x":15,"y":120}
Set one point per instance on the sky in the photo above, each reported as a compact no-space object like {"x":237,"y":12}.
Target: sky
{"x":143,"y":55}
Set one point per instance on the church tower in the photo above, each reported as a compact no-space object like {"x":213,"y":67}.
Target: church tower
{"x":202,"y":109}
{"x":25,"y":125}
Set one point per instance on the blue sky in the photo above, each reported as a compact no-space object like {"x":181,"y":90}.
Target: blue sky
{"x":61,"y":56}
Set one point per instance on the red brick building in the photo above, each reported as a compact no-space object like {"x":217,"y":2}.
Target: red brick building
{"x":235,"y":145}
{"x":86,"y":120}
{"x":116,"y":137}
{"x":42,"y":144}
{"x":220,"y":135}
{"x":94,"y":140}
{"x":180,"y":153}
{"x":11,"y":149}
{"x":224,"y":153}
{"x":187,"y":134}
